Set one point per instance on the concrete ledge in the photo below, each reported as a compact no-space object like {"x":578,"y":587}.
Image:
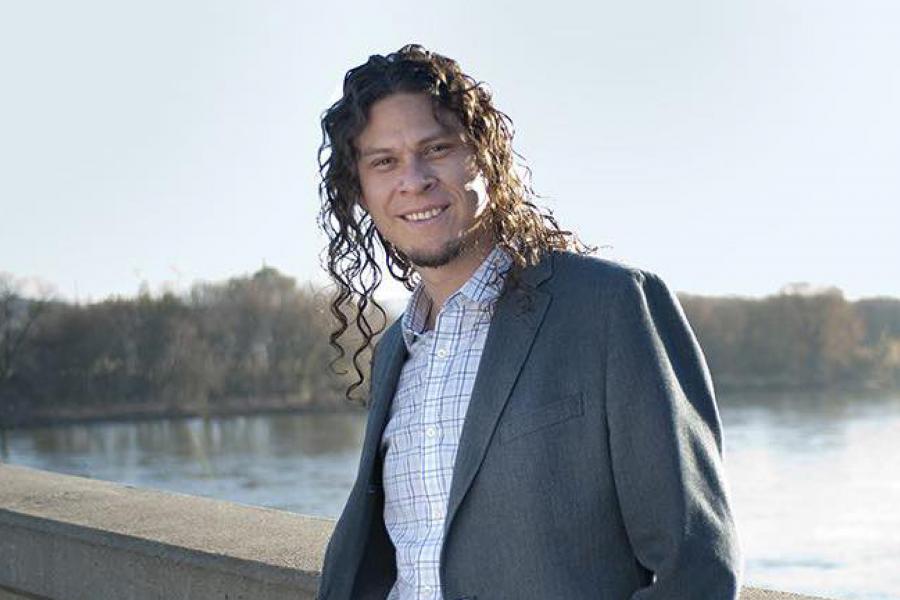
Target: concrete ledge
{"x":71,"y":537}
{"x":64,"y":537}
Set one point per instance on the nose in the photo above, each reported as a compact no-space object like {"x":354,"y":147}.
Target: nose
{"x":416,"y":177}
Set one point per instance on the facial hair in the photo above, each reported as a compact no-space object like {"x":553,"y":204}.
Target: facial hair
{"x":444,"y":256}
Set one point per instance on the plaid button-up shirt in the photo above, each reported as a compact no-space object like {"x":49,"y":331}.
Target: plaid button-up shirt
{"x":426,"y":420}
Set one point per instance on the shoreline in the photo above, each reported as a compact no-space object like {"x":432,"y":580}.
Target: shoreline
{"x":234,"y":407}
{"x":157,"y":412}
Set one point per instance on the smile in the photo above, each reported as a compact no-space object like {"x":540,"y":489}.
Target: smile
{"x":425,"y":215}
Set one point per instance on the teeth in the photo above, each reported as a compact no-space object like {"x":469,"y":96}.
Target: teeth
{"x":425,"y":214}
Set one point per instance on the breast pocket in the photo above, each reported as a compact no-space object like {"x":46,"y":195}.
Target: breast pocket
{"x":552,"y":413}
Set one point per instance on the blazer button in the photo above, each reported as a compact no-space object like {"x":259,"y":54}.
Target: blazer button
{"x":373,"y":488}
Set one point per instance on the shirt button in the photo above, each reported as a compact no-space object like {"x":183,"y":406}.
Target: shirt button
{"x":428,"y":589}
{"x":437,"y":512}
{"x":431,"y":432}
{"x":442,"y":353}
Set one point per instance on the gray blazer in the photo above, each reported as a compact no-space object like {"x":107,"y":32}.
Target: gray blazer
{"x":589,"y":465}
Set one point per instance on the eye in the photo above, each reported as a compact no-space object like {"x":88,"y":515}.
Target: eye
{"x":383,"y":162}
{"x":438,"y":150}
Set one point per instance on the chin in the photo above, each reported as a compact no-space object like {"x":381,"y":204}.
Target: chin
{"x":438,"y":258}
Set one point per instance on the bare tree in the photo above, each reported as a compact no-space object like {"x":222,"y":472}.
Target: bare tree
{"x":18,"y":315}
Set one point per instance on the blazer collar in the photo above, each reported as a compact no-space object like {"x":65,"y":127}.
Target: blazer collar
{"x":535,"y":275}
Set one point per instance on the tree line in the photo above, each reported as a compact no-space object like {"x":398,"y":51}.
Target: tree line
{"x":260,"y":342}
{"x":801,"y":338}
{"x":257,"y":342}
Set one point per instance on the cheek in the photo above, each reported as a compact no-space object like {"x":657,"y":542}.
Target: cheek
{"x":373,"y":193}
{"x":458,"y":176}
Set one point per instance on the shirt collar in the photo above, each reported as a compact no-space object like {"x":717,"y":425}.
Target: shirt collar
{"x":482,"y":288}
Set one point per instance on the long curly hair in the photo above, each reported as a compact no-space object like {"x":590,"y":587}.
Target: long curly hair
{"x":525,"y":231}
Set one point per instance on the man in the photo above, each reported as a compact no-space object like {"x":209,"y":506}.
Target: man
{"x":541,"y":423}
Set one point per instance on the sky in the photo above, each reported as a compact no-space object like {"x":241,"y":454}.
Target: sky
{"x":731,"y":147}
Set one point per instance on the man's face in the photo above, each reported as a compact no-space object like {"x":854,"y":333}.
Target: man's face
{"x":419,"y":181}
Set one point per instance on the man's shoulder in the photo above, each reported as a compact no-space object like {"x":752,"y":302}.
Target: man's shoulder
{"x":571,"y":270}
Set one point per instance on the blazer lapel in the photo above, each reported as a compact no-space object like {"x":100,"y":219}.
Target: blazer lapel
{"x":391,"y":357}
{"x":517,"y":316}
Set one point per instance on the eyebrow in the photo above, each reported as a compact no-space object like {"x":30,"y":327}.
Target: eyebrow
{"x":423,"y":142}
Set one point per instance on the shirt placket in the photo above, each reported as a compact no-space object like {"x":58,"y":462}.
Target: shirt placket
{"x":432,"y":456}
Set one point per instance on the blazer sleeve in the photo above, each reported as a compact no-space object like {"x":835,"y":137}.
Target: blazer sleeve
{"x":666,"y":445}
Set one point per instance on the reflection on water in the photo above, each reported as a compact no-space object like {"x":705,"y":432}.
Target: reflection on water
{"x":302,"y":463}
{"x":815,"y":479}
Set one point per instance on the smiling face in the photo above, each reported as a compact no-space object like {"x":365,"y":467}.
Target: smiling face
{"x":420,"y":184}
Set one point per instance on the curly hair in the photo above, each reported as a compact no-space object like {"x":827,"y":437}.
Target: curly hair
{"x":525,"y":231}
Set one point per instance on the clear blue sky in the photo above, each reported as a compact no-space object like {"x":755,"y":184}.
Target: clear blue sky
{"x":730,"y":146}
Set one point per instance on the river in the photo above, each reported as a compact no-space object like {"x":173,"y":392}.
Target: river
{"x":815,"y":479}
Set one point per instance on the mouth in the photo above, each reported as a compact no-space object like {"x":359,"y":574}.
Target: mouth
{"x":424,"y":216}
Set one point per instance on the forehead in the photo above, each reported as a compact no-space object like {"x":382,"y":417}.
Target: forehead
{"x":404,"y":118}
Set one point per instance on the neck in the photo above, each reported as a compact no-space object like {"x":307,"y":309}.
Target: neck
{"x":440,"y":282}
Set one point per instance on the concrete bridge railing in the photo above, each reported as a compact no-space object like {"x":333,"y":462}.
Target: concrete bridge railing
{"x":71,"y":538}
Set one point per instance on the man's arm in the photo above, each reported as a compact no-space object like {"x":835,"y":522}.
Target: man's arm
{"x":665,"y":439}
